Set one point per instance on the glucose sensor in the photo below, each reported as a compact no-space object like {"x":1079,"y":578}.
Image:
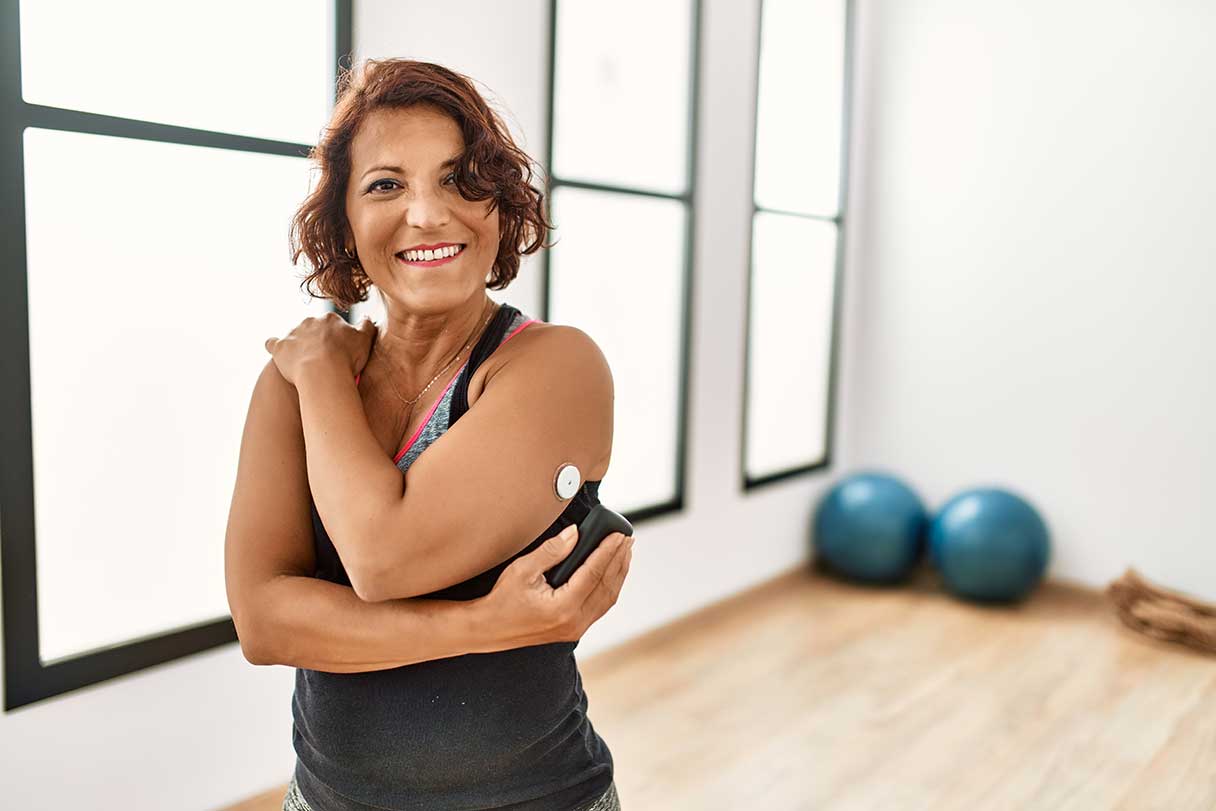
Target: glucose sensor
{"x":567,"y":481}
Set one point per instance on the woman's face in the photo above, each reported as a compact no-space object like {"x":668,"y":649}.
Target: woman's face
{"x":416,"y":202}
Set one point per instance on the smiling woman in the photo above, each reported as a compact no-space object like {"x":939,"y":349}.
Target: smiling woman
{"x":372,"y":165}
{"x":423,"y":195}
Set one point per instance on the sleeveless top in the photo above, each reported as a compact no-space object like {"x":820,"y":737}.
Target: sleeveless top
{"x":502,"y":730}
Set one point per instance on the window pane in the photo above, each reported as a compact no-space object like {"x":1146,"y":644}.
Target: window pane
{"x":263,"y":69}
{"x":156,"y":272}
{"x":790,"y":344}
{"x":631,"y":303}
{"x":798,"y":114}
{"x":619,"y":118}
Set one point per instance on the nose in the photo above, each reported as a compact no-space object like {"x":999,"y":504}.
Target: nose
{"x":427,"y":211}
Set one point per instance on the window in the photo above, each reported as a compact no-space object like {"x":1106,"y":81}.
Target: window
{"x":155,"y":175}
{"x":622,"y":207}
{"x":800,"y":179}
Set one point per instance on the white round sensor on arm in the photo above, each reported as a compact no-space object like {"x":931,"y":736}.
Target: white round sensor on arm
{"x":567,"y":481}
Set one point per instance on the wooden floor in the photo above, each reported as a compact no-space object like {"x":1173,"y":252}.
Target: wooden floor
{"x":810,"y":693}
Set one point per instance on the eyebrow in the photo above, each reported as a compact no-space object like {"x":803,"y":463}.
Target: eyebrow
{"x":449,"y":162}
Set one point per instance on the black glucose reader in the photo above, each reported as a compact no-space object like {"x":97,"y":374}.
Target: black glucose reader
{"x":598,"y":525}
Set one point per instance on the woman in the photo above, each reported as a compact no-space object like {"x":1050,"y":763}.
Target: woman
{"x":486,"y":709}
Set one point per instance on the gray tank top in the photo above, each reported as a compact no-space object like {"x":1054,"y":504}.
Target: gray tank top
{"x":502,"y":730}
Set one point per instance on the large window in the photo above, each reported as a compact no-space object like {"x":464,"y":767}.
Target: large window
{"x":154,"y":154}
{"x":800,"y":179}
{"x":621,"y":144}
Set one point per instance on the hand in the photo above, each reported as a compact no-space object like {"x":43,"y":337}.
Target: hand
{"x":528,"y":611}
{"x":328,"y":339}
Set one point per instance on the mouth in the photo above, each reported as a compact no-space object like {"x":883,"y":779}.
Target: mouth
{"x":424,"y":263}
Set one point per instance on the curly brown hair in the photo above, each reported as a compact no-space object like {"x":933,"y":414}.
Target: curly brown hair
{"x":491,"y":166}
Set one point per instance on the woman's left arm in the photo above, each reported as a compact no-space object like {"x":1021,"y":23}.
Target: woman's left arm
{"x":352,"y":481}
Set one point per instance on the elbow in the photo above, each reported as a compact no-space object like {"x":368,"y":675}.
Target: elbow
{"x":363,"y":593}
{"x":377,"y":587}
{"x":366,"y":586}
{"x":377,"y":576}
{"x":257,"y":622}
{"x":255,"y":658}
{"x":372,"y":592}
{"x":254,"y":635}
{"x":253,"y":649}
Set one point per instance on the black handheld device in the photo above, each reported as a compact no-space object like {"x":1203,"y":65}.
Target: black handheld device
{"x":598,"y":525}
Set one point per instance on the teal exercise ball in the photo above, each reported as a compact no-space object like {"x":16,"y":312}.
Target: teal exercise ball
{"x":870,"y":527}
{"x":990,"y":545}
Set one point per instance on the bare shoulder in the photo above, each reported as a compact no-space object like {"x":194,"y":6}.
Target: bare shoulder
{"x":561,"y":354}
{"x":543,"y":343}
{"x":277,"y":391}
{"x":538,"y":338}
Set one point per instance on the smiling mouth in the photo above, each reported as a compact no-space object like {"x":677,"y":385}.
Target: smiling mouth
{"x":422,"y":263}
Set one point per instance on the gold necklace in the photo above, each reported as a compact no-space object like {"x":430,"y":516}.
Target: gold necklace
{"x":410,"y":403}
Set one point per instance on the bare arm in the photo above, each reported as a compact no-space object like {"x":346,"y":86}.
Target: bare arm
{"x":284,"y":615}
{"x":312,"y":623}
{"x":315,"y":624}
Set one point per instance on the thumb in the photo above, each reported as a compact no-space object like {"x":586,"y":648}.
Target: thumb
{"x":368,"y":327}
{"x":554,"y":550}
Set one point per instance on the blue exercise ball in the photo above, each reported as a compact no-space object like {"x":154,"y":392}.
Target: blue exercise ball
{"x":990,"y":545}
{"x":871,"y":527}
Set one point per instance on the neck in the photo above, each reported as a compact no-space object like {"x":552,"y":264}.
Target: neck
{"x":413,"y":347}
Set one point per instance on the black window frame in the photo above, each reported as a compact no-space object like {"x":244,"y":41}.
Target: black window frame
{"x":27,"y":679}
{"x":746,"y":482}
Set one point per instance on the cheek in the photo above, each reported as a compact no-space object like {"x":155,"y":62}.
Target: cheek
{"x":493,"y":225}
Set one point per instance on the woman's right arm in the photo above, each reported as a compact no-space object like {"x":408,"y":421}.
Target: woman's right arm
{"x":285,"y":615}
{"x":311,"y":623}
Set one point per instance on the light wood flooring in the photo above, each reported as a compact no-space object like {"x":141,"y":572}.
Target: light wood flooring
{"x":810,"y":693}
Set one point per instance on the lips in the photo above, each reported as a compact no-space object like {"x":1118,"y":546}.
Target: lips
{"x":433,"y":263}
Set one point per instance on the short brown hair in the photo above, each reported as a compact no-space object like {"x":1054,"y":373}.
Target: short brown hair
{"x":492,"y":166}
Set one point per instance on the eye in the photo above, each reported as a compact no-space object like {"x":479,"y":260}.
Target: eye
{"x":374,"y":186}
{"x":378,"y":182}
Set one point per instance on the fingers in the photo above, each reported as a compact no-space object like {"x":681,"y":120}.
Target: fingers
{"x":553,"y":551}
{"x":589,"y":574}
{"x":608,"y":591}
{"x":607,"y":585}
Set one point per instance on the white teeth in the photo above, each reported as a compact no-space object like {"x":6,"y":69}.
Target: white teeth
{"x":428,"y":256}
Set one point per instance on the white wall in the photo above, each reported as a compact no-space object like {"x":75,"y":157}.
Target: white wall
{"x":1032,"y":258}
